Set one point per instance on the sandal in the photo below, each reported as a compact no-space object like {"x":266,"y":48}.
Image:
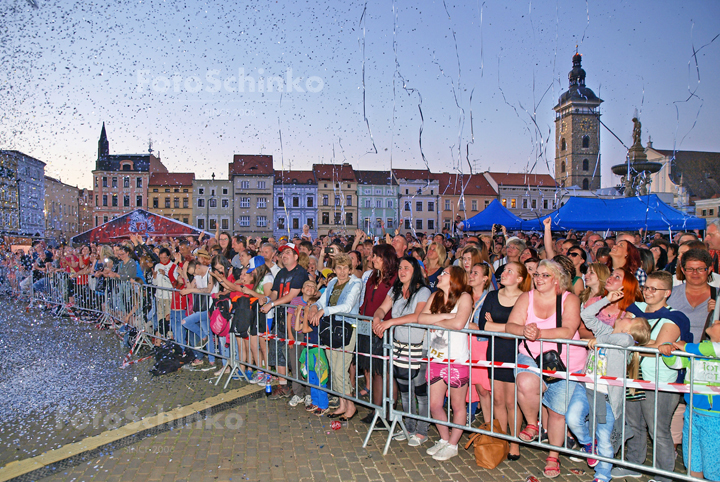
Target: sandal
{"x":552,"y":467}
{"x":529,"y":434}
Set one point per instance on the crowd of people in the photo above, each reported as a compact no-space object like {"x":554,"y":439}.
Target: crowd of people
{"x":621,"y":289}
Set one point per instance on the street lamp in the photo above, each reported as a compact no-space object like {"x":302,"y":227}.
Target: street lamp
{"x":207,"y":217}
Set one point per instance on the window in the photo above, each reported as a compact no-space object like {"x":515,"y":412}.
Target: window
{"x":225,"y":203}
{"x":201,"y":191}
{"x":114,"y":182}
{"x":244,"y":184}
{"x":311,"y":223}
{"x":168,"y":190}
{"x":418,"y":206}
{"x":513,"y":204}
{"x":213,"y":224}
{"x":586,"y":165}
{"x":138,"y":200}
{"x":407,"y":224}
{"x":431,"y":224}
{"x":504,"y":202}
{"x":446,"y":223}
{"x":563,"y":145}
{"x":96,"y":185}
{"x":296,"y":202}
{"x":174,"y":190}
{"x":461,"y":206}
{"x":212,"y":202}
{"x":367,"y":203}
{"x":201,"y":203}
{"x":562,"y":166}
{"x":389,"y":203}
{"x":185,"y":220}
{"x":296,"y":223}
{"x":186,"y":202}
{"x":114,"y":200}
{"x":389,"y":223}
{"x":525,"y":203}
{"x":310,"y":201}
{"x":224,"y":224}
{"x":104,"y":199}
{"x":711,"y":212}
{"x":201,"y":224}
{"x":545,"y":203}
{"x":126,"y":182}
{"x":418,"y":224}
{"x":105,"y":218}
{"x":126,"y":201}
{"x":348,"y":219}
{"x":281,"y":223}
{"x":156,"y":205}
{"x":96,"y":200}
{"x":261,"y":221}
{"x":431,"y":206}
{"x":378,"y":203}
{"x":261,"y":184}
{"x":225,"y":191}
{"x":325,"y":200}
{"x":338,"y":218}
{"x":138,"y":182}
{"x":348,"y":199}
{"x":534,"y":203}
{"x":176,"y":203}
{"x":105,"y":183}
{"x":245,"y":202}
{"x":337,"y":200}
{"x":167,"y":202}
{"x":325,"y":218}
{"x":244,"y":221}
{"x":586,"y":184}
{"x":586,"y":142}
{"x":407,"y":205}
{"x":474,"y":205}
{"x":261,"y":202}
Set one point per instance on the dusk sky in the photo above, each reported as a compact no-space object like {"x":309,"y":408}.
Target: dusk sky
{"x":67,"y":67}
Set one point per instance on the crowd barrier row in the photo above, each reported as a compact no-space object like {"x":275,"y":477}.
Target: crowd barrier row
{"x":129,"y":306}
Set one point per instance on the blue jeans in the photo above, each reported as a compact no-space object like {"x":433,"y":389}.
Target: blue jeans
{"x":40,"y":286}
{"x":176,"y":318}
{"x":576,"y":418}
{"x":319,"y":397}
{"x":199,"y":323}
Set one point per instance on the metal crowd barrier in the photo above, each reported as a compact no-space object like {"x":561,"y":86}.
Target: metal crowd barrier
{"x":136,"y":305}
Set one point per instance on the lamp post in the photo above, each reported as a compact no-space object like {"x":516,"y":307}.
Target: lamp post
{"x":207,"y":217}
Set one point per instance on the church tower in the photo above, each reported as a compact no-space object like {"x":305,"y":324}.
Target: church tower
{"x":103,"y":144}
{"x":577,"y":133}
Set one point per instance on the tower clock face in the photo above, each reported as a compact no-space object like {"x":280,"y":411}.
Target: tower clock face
{"x":586,"y":125}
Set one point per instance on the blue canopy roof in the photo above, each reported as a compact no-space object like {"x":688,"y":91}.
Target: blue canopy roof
{"x":495,"y":213}
{"x":622,"y":214}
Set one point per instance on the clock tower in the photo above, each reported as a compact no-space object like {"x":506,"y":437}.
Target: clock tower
{"x":577,"y":133}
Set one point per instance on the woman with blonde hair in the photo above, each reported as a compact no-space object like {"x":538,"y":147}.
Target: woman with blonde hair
{"x":595,"y":278}
{"x":434,"y":263}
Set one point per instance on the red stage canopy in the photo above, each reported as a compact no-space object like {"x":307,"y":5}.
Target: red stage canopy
{"x":137,"y":222}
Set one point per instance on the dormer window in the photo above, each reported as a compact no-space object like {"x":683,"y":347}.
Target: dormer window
{"x":126,"y":166}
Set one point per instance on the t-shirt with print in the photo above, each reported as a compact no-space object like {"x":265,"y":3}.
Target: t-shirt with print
{"x":286,"y":281}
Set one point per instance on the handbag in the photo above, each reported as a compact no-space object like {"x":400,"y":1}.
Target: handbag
{"x":552,"y":359}
{"x":489,"y":451}
{"x":334,"y":333}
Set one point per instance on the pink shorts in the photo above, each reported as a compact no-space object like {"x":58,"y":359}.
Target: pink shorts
{"x":454,"y":375}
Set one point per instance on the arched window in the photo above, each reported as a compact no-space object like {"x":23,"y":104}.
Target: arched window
{"x":586,"y":165}
{"x":562,"y":166}
{"x":586,"y":142}
{"x":563,"y":145}
{"x":586,"y":184}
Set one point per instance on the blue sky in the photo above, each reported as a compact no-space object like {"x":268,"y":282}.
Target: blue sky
{"x":69,"y":66}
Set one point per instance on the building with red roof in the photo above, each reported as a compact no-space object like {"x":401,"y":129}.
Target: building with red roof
{"x":525,"y":195}
{"x":253,"y":178}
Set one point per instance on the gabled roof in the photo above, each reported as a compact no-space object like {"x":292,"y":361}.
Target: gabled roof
{"x":452,"y":184}
{"x":251,"y":165}
{"x":331,"y":172}
{"x":412,"y":174}
{"x":375,"y":178}
{"x":700,"y":171}
{"x":523,"y":179}
{"x":295,"y":177}
{"x":172,"y":179}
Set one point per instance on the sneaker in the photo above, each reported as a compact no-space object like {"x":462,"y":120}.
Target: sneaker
{"x":334,"y":402}
{"x":280,"y":391}
{"x":320,"y":411}
{"x":294,"y":401}
{"x":249,"y":375}
{"x":308,"y":401}
{"x":311,"y":408}
{"x":446,"y":453}
{"x":400,"y":436}
{"x":417,"y":440}
{"x":259,"y":379}
{"x":622,"y":472}
{"x":436,"y":448}
{"x":589,"y":449}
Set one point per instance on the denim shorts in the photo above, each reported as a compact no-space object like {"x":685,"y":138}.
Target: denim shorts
{"x":557,"y":395}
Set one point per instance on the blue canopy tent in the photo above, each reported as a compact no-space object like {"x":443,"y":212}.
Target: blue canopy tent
{"x":623,"y":214}
{"x":495,"y":213}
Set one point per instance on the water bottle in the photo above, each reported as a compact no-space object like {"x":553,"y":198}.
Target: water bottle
{"x":268,"y":387}
{"x":269,"y":317}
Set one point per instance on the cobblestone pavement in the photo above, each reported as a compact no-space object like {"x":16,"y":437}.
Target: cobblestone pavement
{"x":60,"y":382}
{"x":268,"y":440}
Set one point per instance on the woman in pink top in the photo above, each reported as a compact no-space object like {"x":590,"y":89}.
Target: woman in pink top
{"x":534,"y":318}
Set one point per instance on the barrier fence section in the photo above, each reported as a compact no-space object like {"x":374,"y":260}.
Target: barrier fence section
{"x":271,"y":347}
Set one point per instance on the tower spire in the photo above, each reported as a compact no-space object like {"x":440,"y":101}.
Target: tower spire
{"x":103,"y":144}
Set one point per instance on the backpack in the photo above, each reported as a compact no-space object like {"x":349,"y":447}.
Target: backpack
{"x":169,"y":357}
{"x":219,"y":319}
